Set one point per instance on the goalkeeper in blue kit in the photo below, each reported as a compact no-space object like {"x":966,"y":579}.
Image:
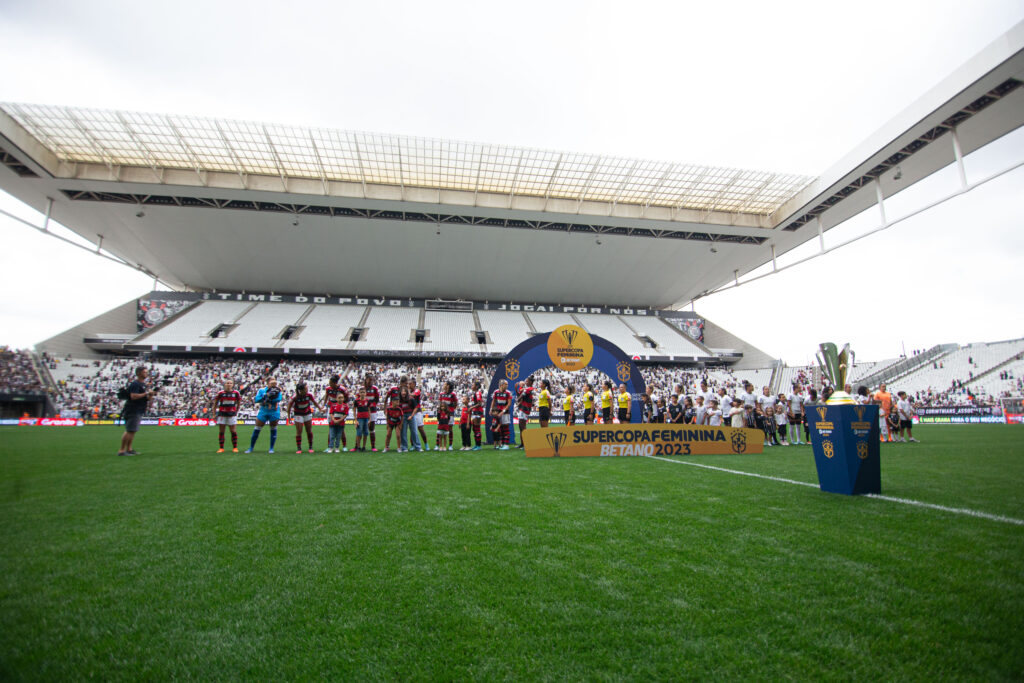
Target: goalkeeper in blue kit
{"x":269,"y":401}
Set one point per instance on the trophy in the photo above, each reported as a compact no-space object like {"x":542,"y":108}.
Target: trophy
{"x":835,"y":365}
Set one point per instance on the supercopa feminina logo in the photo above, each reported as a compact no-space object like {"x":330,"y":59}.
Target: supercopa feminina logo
{"x":623,"y":371}
{"x":556,"y":441}
{"x":570,"y":336}
{"x":512,"y":368}
{"x":739,"y":442}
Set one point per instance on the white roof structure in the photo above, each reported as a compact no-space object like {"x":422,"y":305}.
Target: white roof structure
{"x":244,"y":148}
{"x":206,"y":204}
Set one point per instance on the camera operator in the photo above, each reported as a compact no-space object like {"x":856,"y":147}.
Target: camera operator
{"x":134,"y":408}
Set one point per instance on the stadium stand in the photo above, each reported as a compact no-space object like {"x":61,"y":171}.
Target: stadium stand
{"x":504,"y":330}
{"x":18,"y":372}
{"x":954,"y":373}
{"x":390,"y":328}
{"x":668,"y":340}
{"x":448,"y":331}
{"x":612,"y":329}
{"x":193,"y":326}
{"x":262,"y":325}
{"x":545,"y":322}
{"x":327,"y":327}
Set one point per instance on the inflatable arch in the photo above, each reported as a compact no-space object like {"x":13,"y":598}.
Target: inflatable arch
{"x":569,"y":348}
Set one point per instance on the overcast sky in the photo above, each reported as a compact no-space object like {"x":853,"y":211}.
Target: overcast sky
{"x":787,"y":87}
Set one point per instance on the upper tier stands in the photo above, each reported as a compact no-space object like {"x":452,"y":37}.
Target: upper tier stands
{"x":192,"y":327}
{"x":449,"y":331}
{"x":390,"y":328}
{"x":327,"y":327}
{"x":505,"y":330}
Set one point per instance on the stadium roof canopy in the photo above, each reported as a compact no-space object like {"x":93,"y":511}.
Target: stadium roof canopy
{"x":212,"y":204}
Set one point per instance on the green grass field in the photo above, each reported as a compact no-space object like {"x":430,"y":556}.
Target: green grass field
{"x":180,"y":563}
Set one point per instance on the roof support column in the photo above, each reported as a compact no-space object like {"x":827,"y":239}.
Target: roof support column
{"x":881,"y":200}
{"x":49,"y":208}
{"x":958,"y":153}
{"x":775,"y":266}
{"x":821,"y":235}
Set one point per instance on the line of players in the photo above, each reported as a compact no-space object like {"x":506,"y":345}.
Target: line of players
{"x":403,"y":413}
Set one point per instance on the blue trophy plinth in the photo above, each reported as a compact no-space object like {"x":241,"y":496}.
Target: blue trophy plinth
{"x":846,"y":448}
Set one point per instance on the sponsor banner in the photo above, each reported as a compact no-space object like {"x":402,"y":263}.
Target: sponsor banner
{"x":640,"y":439}
{"x":954,"y":411}
{"x":50,"y":422}
{"x":1014,"y":418}
{"x":959,"y":419}
{"x":9,"y":422}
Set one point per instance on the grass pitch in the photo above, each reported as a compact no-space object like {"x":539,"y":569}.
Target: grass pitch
{"x":180,"y":563}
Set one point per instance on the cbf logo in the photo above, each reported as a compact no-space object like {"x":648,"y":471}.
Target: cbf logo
{"x":556,"y":441}
{"x":829,"y":449}
{"x":622,"y":369}
{"x":512,"y":368}
{"x":739,"y":442}
{"x":862,"y":450}
{"x":821,"y":412}
{"x":569,"y":336}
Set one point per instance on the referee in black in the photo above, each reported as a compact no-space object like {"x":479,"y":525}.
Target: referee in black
{"x":134,"y":407}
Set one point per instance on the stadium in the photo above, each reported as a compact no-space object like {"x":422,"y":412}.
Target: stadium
{"x":399,"y":256}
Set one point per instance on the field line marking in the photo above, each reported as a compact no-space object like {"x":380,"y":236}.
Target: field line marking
{"x":877,"y":496}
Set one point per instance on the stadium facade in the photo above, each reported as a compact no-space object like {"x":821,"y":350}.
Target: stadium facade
{"x":278,"y":239}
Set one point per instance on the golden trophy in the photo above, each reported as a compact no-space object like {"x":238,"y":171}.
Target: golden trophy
{"x":835,"y":365}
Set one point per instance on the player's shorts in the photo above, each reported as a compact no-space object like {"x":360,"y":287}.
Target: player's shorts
{"x":523,"y":414}
{"x":266,"y":416}
{"x":906,"y":424}
{"x":796,"y":419}
{"x":417,"y":419}
{"x":476,"y":416}
{"x":606,"y":415}
{"x":374,"y":416}
{"x":229,"y":420}
{"x":570,"y":418}
{"x":622,"y":414}
{"x":302,"y":419}
{"x":545,"y":413}
{"x":588,"y":414}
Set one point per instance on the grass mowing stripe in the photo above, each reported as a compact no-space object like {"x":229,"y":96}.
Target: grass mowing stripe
{"x":877,"y":496}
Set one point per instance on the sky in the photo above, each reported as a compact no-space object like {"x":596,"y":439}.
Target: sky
{"x":785,"y":86}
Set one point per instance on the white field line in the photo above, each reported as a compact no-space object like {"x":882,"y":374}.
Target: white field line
{"x":877,"y":496}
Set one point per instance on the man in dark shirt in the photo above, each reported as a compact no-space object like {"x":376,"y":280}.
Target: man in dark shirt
{"x":134,"y":407}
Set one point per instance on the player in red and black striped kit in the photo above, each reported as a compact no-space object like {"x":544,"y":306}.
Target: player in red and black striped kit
{"x":301,"y":404}
{"x":373,"y":396}
{"x":226,"y":404}
{"x":476,"y":412}
{"x":447,"y":402}
{"x":525,"y":396}
{"x":501,"y":406}
{"x":336,"y":393}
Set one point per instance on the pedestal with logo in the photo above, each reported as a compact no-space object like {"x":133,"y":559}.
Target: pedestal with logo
{"x":846,"y":448}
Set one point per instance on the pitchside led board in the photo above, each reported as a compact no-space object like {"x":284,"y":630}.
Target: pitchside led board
{"x":571,"y":348}
{"x":845,"y":439}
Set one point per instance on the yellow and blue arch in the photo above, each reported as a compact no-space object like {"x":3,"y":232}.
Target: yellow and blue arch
{"x":573,"y":349}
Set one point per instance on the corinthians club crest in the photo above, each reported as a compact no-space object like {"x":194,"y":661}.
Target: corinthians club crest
{"x":622,"y":369}
{"x":556,"y":441}
{"x":512,"y":368}
{"x":739,"y":442}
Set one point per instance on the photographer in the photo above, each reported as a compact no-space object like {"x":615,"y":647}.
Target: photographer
{"x":134,"y":407}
